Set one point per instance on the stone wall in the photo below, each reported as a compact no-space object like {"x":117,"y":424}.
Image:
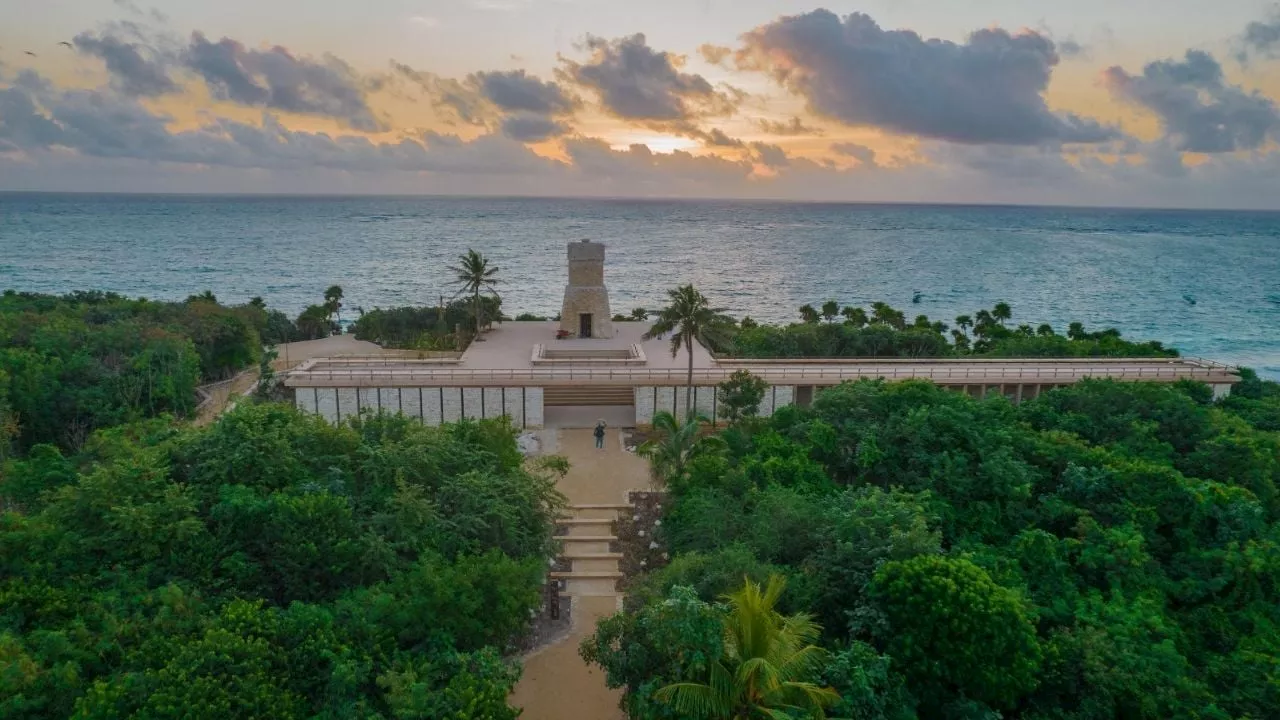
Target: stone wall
{"x":675,"y":400}
{"x":430,"y":405}
{"x":586,"y":292}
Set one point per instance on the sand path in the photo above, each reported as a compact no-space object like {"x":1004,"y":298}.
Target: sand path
{"x":556,"y":683}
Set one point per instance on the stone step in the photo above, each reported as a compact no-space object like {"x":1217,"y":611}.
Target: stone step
{"x":587,"y":546}
{"x":567,"y":395}
{"x":594,"y":565}
{"x":591,"y":529}
{"x":600,"y":506}
{"x":595,"y":587}
{"x":572,"y":521}
{"x":577,"y":553}
{"x":599,"y":513}
{"x":593,"y":575}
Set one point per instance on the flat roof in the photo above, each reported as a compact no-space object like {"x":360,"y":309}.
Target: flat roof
{"x":504,"y":358}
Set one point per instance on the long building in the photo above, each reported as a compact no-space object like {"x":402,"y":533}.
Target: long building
{"x":523,"y":371}
{"x":584,"y":367}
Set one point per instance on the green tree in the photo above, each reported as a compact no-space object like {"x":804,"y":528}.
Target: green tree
{"x":809,"y":314}
{"x":474,"y":276}
{"x":855,"y":316}
{"x":333,"y":304}
{"x":740,"y":396}
{"x":639,"y":314}
{"x":1001,"y":312}
{"x":953,"y":630}
{"x":313,"y":323}
{"x":690,"y":318}
{"x":768,"y":666}
{"x":830,"y":310}
{"x":676,"y":443}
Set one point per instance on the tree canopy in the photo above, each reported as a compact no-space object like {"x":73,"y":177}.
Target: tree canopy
{"x":74,"y":363}
{"x":1106,"y":550}
{"x":270,"y":566}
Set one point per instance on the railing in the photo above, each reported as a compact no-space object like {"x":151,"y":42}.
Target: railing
{"x":1011,"y":372}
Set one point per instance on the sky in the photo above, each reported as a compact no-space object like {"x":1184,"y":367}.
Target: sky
{"x":1169,"y":103}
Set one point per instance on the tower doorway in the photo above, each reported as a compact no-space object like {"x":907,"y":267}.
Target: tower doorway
{"x":584,"y":325}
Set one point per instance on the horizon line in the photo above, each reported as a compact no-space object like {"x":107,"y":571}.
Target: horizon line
{"x":637,"y":199}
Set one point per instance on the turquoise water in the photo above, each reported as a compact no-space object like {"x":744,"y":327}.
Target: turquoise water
{"x":1131,"y":269}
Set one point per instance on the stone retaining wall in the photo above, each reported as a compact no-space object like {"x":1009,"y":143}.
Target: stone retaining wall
{"x":675,"y":400}
{"x":432,"y":406}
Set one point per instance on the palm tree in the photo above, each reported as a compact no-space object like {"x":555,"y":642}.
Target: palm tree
{"x":830,"y":310}
{"x":1001,"y":312}
{"x":473,"y":276}
{"x":690,"y":317}
{"x":983,"y":323}
{"x":854,"y":316}
{"x":964,"y":322}
{"x":884,"y":314}
{"x":767,"y":657}
{"x":808,"y":315}
{"x":333,"y":302}
{"x":640,"y":314}
{"x":676,"y":443}
{"x":1045,"y":330}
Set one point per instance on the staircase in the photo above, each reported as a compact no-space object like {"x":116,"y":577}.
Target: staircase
{"x":593,"y":567}
{"x":564,"y":395}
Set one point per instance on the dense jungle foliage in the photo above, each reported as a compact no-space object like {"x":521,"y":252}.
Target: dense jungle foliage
{"x":424,"y":328}
{"x":270,"y":566}
{"x":832,"y":331}
{"x":74,"y":363}
{"x":1107,"y":550}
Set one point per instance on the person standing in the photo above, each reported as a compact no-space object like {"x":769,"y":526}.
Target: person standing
{"x":599,"y":433}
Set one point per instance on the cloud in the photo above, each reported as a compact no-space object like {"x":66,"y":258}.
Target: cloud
{"x":108,"y":125}
{"x":1197,"y":108}
{"x":794,"y":126}
{"x":1262,"y":37}
{"x":531,"y":127}
{"x":716,"y":138}
{"x":132,"y":71}
{"x":769,"y":155}
{"x":279,"y":80}
{"x":517,"y":91}
{"x":635,"y":82}
{"x":448,"y":94}
{"x":861,"y":153}
{"x":425,"y":21}
{"x":522,"y":106}
{"x":1069,"y":48}
{"x":715,"y":54}
{"x":645,"y":170}
{"x":988,"y":90}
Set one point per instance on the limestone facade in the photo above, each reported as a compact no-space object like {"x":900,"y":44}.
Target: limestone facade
{"x":675,"y":400}
{"x":429,"y":405}
{"x":586,"y":293}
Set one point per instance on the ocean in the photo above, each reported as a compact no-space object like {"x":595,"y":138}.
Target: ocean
{"x":1205,"y":282}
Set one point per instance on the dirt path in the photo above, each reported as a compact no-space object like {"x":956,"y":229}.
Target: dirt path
{"x":556,"y":683}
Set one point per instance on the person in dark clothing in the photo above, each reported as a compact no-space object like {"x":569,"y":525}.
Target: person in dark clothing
{"x":599,"y":433}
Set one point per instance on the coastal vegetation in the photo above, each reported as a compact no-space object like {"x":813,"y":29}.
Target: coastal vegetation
{"x":74,"y":363}
{"x":475,"y":277}
{"x":424,"y":328}
{"x":1105,"y":550}
{"x":689,"y":319}
{"x":271,"y":565}
{"x":850,"y":331}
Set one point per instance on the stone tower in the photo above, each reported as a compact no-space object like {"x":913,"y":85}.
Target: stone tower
{"x":586,"y":299}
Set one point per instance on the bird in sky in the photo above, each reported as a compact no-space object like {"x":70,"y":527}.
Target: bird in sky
{"x":64,"y":42}
{"x":30,"y":53}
